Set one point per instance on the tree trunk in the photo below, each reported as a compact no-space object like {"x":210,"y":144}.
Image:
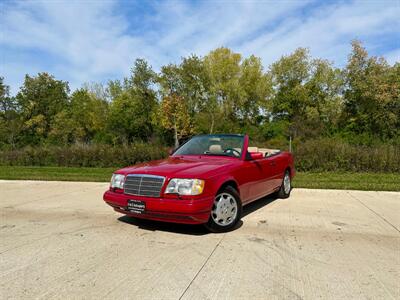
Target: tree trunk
{"x":176,"y":136}
{"x":212,"y":123}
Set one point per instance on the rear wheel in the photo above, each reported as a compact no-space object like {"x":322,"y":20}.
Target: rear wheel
{"x":226,"y":210}
{"x":286,"y":187}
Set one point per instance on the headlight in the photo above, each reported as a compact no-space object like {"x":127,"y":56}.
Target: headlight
{"x":185,"y":186}
{"x":117,"y":181}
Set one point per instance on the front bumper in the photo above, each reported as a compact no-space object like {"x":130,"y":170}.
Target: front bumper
{"x":193,"y":211}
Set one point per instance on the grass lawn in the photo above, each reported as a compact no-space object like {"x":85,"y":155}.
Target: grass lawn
{"x":348,"y":181}
{"x":322,"y":180}
{"x":56,"y":173}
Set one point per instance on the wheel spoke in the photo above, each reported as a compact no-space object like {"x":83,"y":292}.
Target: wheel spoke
{"x":224,"y":210}
{"x":286,"y":183}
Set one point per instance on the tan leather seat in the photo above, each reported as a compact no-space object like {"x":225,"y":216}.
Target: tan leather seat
{"x":252,"y":149}
{"x":268,"y":152}
{"x":264,"y":151}
{"x":215,"y":149}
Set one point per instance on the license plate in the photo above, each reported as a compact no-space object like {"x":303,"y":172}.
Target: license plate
{"x":136,"y":206}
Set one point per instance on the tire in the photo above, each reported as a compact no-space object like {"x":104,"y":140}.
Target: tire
{"x":286,"y":187}
{"x":226,"y":211}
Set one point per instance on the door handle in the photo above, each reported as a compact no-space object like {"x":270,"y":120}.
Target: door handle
{"x":272,"y":163}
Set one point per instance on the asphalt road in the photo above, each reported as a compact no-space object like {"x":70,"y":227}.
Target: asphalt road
{"x":59,"y":240}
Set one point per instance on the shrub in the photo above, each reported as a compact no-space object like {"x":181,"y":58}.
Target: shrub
{"x":326,"y":154}
{"x":329,"y":154}
{"x":83,"y":155}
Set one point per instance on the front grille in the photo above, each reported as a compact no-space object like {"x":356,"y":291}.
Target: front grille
{"x":143,"y":185}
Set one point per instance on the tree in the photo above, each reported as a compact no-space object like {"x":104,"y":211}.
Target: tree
{"x":173,"y":111}
{"x":114,"y":89}
{"x":85,"y":117}
{"x":255,"y":89}
{"x":132,"y":110}
{"x":97,"y":90}
{"x":174,"y":115}
{"x":40,"y":99}
{"x":307,"y":94}
{"x":325,"y":100}
{"x":223,"y":67}
{"x":6,"y":103}
{"x":222,"y":92}
{"x":190,"y":81}
{"x":289,"y":75}
{"x":170,"y":80}
{"x":195,"y":84}
{"x":371,"y":97}
{"x":63,"y":129}
{"x":142,"y":82}
{"x":10,"y":124}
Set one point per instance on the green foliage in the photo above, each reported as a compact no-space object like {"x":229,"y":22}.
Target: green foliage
{"x":307,"y":94}
{"x":81,"y":120}
{"x":195,"y":84}
{"x":371,"y":97}
{"x":10,"y":123}
{"x":223,"y":67}
{"x":81,"y":155}
{"x":289,"y":76}
{"x":332,"y":154}
{"x":336,"y":118}
{"x":125,"y":121}
{"x":325,"y":154}
{"x":40,"y":99}
{"x":254,"y":87}
{"x":174,"y":115}
{"x":131,"y":112}
{"x":176,"y":112}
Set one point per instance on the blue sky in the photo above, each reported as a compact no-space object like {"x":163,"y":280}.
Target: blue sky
{"x":93,"y":41}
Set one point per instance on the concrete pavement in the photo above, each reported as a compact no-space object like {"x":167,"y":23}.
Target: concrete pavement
{"x":59,"y":240}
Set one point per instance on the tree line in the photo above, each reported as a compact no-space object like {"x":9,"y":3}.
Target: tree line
{"x":298,"y":96}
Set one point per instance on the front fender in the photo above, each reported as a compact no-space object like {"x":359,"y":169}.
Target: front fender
{"x":218,"y":181}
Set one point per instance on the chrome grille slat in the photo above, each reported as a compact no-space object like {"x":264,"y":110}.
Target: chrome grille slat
{"x":143,"y":185}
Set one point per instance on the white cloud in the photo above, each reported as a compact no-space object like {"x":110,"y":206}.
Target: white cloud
{"x":393,"y":56}
{"x":84,"y":39}
{"x":95,"y":40}
{"x":328,"y":31}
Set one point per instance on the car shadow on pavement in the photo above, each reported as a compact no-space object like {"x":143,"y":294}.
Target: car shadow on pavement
{"x":151,"y":225}
{"x":256,"y":205}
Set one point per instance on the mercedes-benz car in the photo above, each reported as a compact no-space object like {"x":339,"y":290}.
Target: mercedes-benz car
{"x":207,"y":180}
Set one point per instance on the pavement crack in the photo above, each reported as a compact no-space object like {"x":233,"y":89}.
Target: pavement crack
{"x":362,"y":203}
{"x":201,"y":268}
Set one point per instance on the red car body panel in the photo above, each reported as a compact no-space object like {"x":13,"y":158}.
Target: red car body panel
{"x":252,"y":178}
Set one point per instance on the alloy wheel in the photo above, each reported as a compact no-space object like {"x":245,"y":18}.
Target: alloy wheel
{"x":286,"y":183}
{"x":224,"y":210}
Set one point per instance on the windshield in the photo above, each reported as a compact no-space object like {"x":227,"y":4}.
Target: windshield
{"x":221,"y":145}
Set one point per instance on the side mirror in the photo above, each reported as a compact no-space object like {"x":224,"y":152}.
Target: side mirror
{"x":171,"y":151}
{"x":256,"y":155}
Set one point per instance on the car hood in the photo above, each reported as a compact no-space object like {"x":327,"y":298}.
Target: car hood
{"x":183,"y":167}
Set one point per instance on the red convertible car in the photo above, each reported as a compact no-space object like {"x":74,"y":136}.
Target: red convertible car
{"x":205,"y":181}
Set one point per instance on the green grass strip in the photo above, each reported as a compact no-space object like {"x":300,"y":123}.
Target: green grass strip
{"x":313,"y":180}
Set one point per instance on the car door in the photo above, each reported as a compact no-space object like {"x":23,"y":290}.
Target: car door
{"x":256,"y":178}
{"x":250,"y":176}
{"x":269,"y":172}
{"x":277,"y":163}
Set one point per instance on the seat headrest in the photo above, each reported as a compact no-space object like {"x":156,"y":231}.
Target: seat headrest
{"x":215,"y":148}
{"x":252,"y":149}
